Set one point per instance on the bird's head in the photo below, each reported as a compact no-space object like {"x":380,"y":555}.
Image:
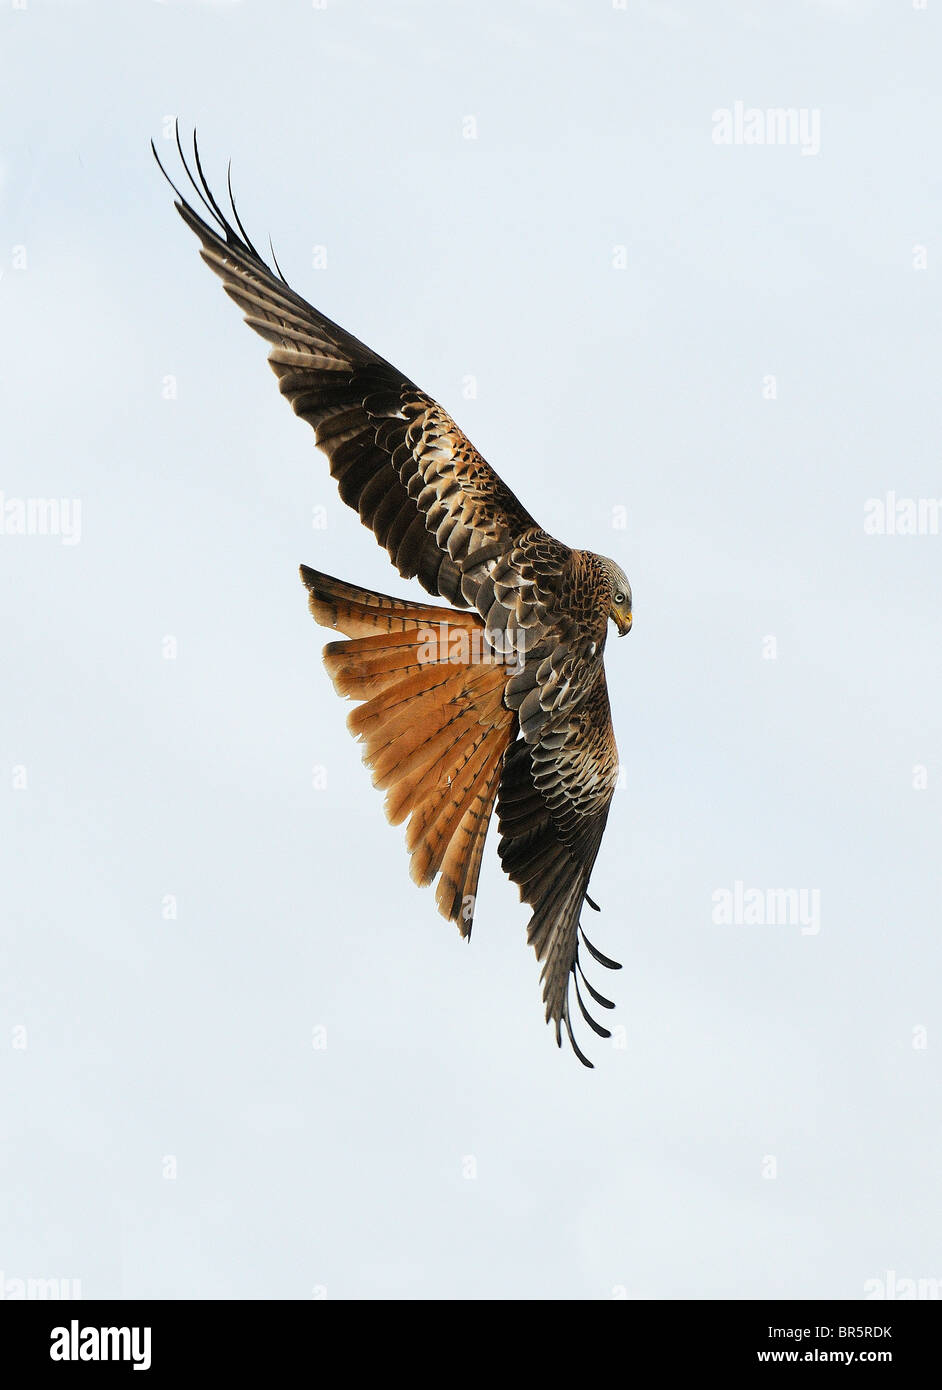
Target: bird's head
{"x":620,"y":602}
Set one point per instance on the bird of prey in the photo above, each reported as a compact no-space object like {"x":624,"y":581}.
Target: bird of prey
{"x":499,"y":696}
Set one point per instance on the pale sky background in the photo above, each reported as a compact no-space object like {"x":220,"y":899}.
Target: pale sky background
{"x":746,"y":1050}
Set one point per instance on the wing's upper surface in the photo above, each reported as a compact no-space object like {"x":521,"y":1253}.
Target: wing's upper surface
{"x":399,"y":459}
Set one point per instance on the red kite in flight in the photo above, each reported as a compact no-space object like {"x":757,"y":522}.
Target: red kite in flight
{"x":500,"y":696}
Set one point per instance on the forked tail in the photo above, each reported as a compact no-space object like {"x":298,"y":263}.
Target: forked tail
{"x":433,"y":722}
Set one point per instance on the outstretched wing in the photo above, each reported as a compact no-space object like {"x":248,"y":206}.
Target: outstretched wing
{"x":399,"y":459}
{"x":552,"y":806}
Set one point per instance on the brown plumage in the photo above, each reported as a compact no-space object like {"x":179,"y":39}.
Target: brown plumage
{"x":500,"y":697}
{"x":435,"y":729}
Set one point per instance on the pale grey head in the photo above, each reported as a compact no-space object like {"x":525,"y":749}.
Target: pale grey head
{"x":620,"y":609}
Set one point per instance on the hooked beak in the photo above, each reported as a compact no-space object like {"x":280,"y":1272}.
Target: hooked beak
{"x":622,"y":622}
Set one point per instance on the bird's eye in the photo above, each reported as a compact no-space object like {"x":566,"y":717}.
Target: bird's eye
{"x":619,"y":598}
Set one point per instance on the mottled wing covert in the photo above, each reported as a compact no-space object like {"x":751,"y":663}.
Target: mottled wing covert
{"x":399,"y":459}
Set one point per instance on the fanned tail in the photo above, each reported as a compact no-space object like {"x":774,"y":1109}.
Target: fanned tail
{"x":433,"y":722}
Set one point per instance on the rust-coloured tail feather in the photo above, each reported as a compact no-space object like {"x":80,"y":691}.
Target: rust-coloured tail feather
{"x":462,"y":862}
{"x":360,"y":612}
{"x":433,"y":723}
